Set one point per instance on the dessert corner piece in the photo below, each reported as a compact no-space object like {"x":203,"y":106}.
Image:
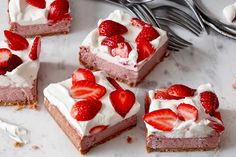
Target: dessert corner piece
{"x":126,"y":48}
{"x":19,"y":66}
{"x":91,"y":108}
{"x":42,"y":17}
{"x":180,"y":118}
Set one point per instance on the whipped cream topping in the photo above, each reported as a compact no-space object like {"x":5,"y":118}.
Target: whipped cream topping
{"x":58,"y":95}
{"x":25,"y":14}
{"x":230,"y":12}
{"x":93,"y":41}
{"x":23,"y":75}
{"x":184,"y":129}
{"x":15,"y":132}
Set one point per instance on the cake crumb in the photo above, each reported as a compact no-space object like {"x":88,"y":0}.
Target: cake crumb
{"x":18,"y":144}
{"x":129,"y":140}
{"x":35,"y":147}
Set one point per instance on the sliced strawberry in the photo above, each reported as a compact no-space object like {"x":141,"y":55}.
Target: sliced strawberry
{"x":16,"y":41}
{"x":179,"y":90}
{"x":148,"y":33}
{"x":13,"y":62}
{"x":145,"y":49}
{"x":3,"y":71}
{"x":218,"y":127}
{"x":113,"y":41}
{"x":209,"y":101}
{"x":217,"y":115}
{"x":58,"y":10}
{"x":85,"y":110}
{"x":35,"y":49}
{"x":163,"y":95}
{"x":5,"y":55}
{"x":122,"y":101}
{"x":89,"y":90}
{"x":82,"y":74}
{"x":123,"y":49}
{"x":37,"y":3}
{"x":98,"y":129}
{"x":114,"y":83}
{"x":187,"y":112}
{"x":138,"y":22}
{"x":110,"y":28}
{"x":163,"y":119}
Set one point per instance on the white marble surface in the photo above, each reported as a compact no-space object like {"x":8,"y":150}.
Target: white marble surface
{"x":211,"y":59}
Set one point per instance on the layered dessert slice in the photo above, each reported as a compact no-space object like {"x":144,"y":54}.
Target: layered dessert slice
{"x":19,"y":66}
{"x":126,"y":48}
{"x":183,"y":119}
{"x":39,"y":17}
{"x":91,"y":108}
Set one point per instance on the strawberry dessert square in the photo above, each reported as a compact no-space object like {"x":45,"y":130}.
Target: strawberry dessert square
{"x":91,"y":108}
{"x":126,"y":48}
{"x":19,"y":66}
{"x":180,"y":118}
{"x":39,"y":17}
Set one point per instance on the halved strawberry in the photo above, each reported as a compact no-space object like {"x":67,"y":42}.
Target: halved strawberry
{"x":85,"y":110}
{"x":16,"y":41}
{"x":122,"y":101}
{"x":187,"y":112}
{"x":58,"y":10}
{"x":218,"y":127}
{"x":180,"y":90}
{"x":217,"y":115}
{"x":89,"y":90}
{"x":148,"y":33}
{"x":82,"y":74}
{"x":209,"y":101}
{"x":5,"y":55}
{"x":36,"y":48}
{"x":123,"y":49}
{"x":13,"y":62}
{"x":110,"y":28}
{"x":163,"y":95}
{"x":114,"y":83}
{"x":98,"y":129}
{"x":163,"y":119}
{"x":37,"y":3}
{"x":138,"y":22}
{"x":145,"y":49}
{"x":113,"y":41}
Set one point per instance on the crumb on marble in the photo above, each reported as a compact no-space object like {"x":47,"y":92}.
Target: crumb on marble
{"x":129,"y":140}
{"x":18,"y":144}
{"x":35,"y":147}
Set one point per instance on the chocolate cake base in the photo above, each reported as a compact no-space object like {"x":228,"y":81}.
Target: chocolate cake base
{"x":130,"y":77}
{"x":85,"y":143}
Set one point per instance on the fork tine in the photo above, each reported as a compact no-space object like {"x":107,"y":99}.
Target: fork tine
{"x":172,"y":48}
{"x":176,"y":42}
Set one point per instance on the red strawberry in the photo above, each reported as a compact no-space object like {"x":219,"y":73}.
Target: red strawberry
{"x":180,"y":90}
{"x":148,"y":33}
{"x":58,"y":10}
{"x":114,"y":83}
{"x":209,"y":101}
{"x":218,"y":127}
{"x":82,"y":74}
{"x":122,"y":50}
{"x":16,"y":41}
{"x":37,"y":3}
{"x":3,"y":71}
{"x":85,"y":110}
{"x":122,"y":101}
{"x":163,"y":95}
{"x":110,"y":28}
{"x":5,"y":55}
{"x":98,"y":129}
{"x":13,"y":62}
{"x":138,"y":22}
{"x":187,"y":112}
{"x":35,"y":49}
{"x":145,"y":49}
{"x":163,"y":119}
{"x":217,"y":115}
{"x":113,"y":41}
{"x":85,"y":89}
